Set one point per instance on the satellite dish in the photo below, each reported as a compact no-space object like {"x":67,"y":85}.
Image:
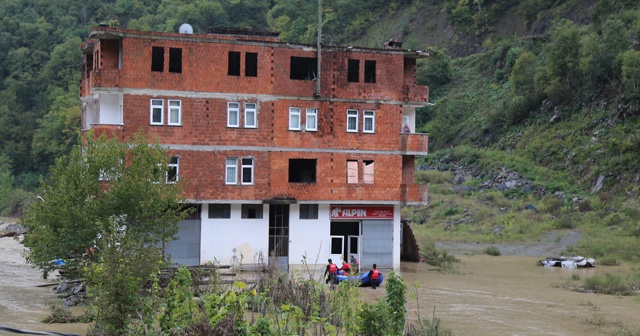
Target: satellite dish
{"x":185,"y":28}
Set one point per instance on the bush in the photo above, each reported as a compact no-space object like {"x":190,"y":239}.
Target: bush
{"x":609,"y":260}
{"x":564,"y":222}
{"x":608,"y":284}
{"x":492,"y":251}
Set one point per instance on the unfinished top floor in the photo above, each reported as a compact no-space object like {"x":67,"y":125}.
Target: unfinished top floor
{"x":115,"y":58}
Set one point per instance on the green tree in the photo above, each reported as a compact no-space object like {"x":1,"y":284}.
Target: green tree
{"x":104,"y":182}
{"x":562,"y":68}
{"x":631,"y":74}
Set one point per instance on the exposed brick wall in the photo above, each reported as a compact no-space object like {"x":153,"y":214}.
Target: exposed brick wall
{"x":204,"y":119}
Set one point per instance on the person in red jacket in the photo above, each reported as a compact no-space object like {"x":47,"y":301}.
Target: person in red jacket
{"x":346,"y":268}
{"x":332,"y":270}
{"x":374,"y":277}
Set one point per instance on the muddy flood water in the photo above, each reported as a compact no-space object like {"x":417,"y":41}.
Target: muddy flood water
{"x":505,"y":295}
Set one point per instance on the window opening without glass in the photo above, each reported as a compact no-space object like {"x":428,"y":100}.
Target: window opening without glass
{"x":302,"y":170}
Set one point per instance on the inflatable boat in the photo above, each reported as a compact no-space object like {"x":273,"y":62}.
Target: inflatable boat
{"x":363,"y":278}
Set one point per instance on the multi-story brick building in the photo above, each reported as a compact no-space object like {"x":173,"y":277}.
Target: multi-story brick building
{"x":280,"y":163}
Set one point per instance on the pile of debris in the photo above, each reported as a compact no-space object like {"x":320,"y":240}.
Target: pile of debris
{"x":573,"y":262}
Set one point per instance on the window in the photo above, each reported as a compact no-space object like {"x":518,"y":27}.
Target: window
{"x":251,"y":64}
{"x":157,"y":59}
{"x":353,"y":70}
{"x":303,"y":68}
{"x":369,"y":122}
{"x":368,"y":171}
{"x":251,"y":211}
{"x":219,"y":210}
{"x":308,"y":211}
{"x":157,"y":111}
{"x":369,"y":71}
{"x":234,"y":63}
{"x":175,"y":60}
{"x":312,"y":119}
{"x":352,"y":171}
{"x":302,"y":170}
{"x":247,"y":171}
{"x":352,"y":120}
{"x":294,"y":118}
{"x":233,"y":114}
{"x":250,"y":113}
{"x":232,"y":171}
{"x":175,"y":112}
{"x":172,"y":169}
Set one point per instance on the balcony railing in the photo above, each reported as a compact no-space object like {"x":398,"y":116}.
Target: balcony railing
{"x":415,"y":194}
{"x":414,"y":143}
{"x":109,"y":130}
{"x":105,"y":78}
{"x":416,"y":93}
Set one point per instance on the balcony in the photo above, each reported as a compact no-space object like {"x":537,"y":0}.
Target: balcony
{"x":414,"y":143}
{"x":102,"y":78}
{"x":414,"y":194}
{"x":110,"y":131}
{"x":415,"y":93}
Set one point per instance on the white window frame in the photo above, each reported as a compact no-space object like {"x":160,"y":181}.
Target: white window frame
{"x":233,"y":110}
{"x":250,"y":114}
{"x":231,"y":164}
{"x":368,"y":115}
{"x":311,"y":119}
{"x":247,"y":166}
{"x":153,"y":105}
{"x":294,"y":118}
{"x":171,"y":165}
{"x":174,"y":109}
{"x":352,"y":115}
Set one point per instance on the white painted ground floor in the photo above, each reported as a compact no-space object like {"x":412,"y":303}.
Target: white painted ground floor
{"x":290,"y":235}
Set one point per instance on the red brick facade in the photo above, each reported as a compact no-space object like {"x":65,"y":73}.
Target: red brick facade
{"x":118,"y":63}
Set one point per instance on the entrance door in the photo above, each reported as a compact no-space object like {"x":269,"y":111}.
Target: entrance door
{"x":353,"y":243}
{"x":377,"y":243}
{"x":337,"y":249}
{"x":279,"y":235}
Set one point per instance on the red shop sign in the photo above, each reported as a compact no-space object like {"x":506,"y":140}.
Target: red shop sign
{"x":361,"y":212}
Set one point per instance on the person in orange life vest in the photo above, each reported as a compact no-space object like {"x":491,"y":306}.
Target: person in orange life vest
{"x":332,"y":270}
{"x":374,"y":277}
{"x":346,"y":268}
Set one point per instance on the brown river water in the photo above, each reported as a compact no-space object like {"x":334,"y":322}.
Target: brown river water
{"x":505,"y":295}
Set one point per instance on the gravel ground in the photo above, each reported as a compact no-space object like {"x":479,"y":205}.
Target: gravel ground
{"x":550,"y":246}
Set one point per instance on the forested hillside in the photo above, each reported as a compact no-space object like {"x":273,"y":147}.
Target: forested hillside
{"x":552,"y":86}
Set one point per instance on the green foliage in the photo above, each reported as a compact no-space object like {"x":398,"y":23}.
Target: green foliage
{"x":396,"y":300}
{"x":608,"y":283}
{"x":434,"y":71}
{"x":562,"y":62}
{"x":116,"y":275}
{"x":78,"y":210}
{"x":432,"y":176}
{"x":178,"y":303}
{"x":492,"y":251}
{"x":564,"y":222}
{"x":372,"y":319}
{"x":631,"y":73}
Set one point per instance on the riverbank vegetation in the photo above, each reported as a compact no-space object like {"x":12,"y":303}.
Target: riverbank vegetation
{"x":278,"y":303}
